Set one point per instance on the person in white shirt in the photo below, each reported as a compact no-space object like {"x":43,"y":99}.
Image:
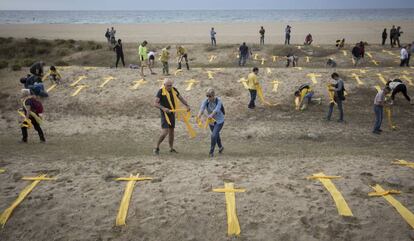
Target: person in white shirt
{"x":379,"y":102}
{"x":151,"y":59}
{"x":404,"y":57}
{"x":397,"y":86}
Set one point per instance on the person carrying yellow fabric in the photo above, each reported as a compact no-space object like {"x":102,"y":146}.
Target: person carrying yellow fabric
{"x":303,"y":97}
{"x":182,"y":54}
{"x":31,"y":112}
{"x":143,"y":57}
{"x":165,"y":57}
{"x":253,"y":84}
{"x":53,"y":75}
{"x":167,"y":101}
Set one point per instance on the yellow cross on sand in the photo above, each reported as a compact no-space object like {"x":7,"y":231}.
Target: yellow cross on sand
{"x":2,"y":170}
{"x":313,"y":76}
{"x":340,"y":202}
{"x":233,"y":226}
{"x":190,"y":83}
{"x":138,"y":83}
{"x":123,"y":208}
{"x":263,"y":61}
{"x":307,"y":59}
{"x":269,"y":71}
{"x":378,"y":88}
{"x":274,"y":58}
{"x":256,"y":56}
{"x":89,"y":68}
{"x":363,"y":71}
{"x":345,"y":53}
{"x":381,"y":77}
{"x":356,"y":77}
{"x":369,"y":54}
{"x":210,"y":74}
{"x":78,"y":80}
{"x":403,"y":163}
{"x":389,"y":52}
{"x":78,"y":89}
{"x":408,"y":79}
{"x":35,"y":180}
{"x":275,"y":85}
{"x":212,"y":58}
{"x":106,"y":80}
{"x":51,"y":88}
{"x":406,"y":214}
{"x":298,"y":68}
{"x":375,"y":62}
{"x":244,"y":82}
{"x":353,"y":61}
{"x":178,"y":71}
{"x":299,"y":47}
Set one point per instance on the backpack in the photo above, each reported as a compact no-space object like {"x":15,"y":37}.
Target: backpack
{"x":35,"y":105}
{"x":222,"y":107}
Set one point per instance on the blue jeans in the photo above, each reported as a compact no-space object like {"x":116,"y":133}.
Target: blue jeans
{"x":341,"y":110}
{"x":242,"y":60}
{"x":253,"y":94}
{"x":215,"y":136}
{"x":379,"y":113}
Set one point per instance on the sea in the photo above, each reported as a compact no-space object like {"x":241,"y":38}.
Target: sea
{"x":200,"y":16}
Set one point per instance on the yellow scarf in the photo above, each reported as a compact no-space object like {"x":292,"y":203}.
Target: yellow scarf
{"x":331,"y":94}
{"x":261,"y":96}
{"x":208,"y":122}
{"x":182,"y":114}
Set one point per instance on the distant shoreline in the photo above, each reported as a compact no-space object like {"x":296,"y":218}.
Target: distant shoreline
{"x":229,"y":33}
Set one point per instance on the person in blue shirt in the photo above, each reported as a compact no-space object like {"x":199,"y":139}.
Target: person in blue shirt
{"x":215,"y":110}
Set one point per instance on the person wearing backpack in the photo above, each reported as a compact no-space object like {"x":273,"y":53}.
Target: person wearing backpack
{"x":31,"y":110}
{"x":339,"y":97}
{"x":215,"y":110}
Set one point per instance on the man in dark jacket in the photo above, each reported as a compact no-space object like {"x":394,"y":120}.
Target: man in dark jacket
{"x":37,"y":69}
{"x":119,"y":53}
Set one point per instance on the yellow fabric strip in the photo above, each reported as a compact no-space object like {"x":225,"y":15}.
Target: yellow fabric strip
{"x":388,"y":113}
{"x":331,"y":94}
{"x":340,"y":202}
{"x":261,"y":97}
{"x":369,"y":54}
{"x":7,"y":213}
{"x":2,"y":170}
{"x":78,"y":90}
{"x":353,"y":61}
{"x":403,"y":163}
{"x":51,"y":88}
{"x":32,"y":114}
{"x":26,"y":122}
{"x":178,"y":71}
{"x":382,"y":79}
{"x":274,"y":58}
{"x":356,"y":77}
{"x":138,"y":83}
{"x":190,"y":83}
{"x":313,"y":76}
{"x":233,"y":226}
{"x":123,"y":208}
{"x":190,"y":130}
{"x":106,"y":80}
{"x":210,"y":74}
{"x":244,"y":82}
{"x":78,"y":80}
{"x":39,"y":178}
{"x":317,"y":176}
{"x":263,"y":61}
{"x":375,"y":62}
{"x":403,"y":211}
{"x":275,"y":85}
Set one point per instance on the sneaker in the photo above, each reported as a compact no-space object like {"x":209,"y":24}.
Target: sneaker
{"x":377,"y":132}
{"x":221,"y":150}
{"x":156,"y":151}
{"x":172,"y":150}
{"x":211,"y":155}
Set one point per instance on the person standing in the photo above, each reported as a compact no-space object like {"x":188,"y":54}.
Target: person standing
{"x":339,"y":97}
{"x":384,"y":36}
{"x":356,"y":54}
{"x":379,"y":103}
{"x":262,"y":32}
{"x":182,"y":54}
{"x":165,"y":57}
{"x":119,"y":53}
{"x":398,"y":33}
{"x":213,"y":37}
{"x":165,"y":100}
{"x":143,"y":57}
{"x":244,"y":54}
{"x":215,"y":110}
{"x":287,"y":34}
{"x":404,"y":56}
{"x":31,"y":110}
{"x":108,"y":36}
{"x":409,"y":51}
{"x":392,"y":35}
{"x":112,"y":36}
{"x":37,"y":69}
{"x":252,"y":84}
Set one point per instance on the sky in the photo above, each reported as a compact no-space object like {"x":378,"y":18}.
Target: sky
{"x":197,"y":4}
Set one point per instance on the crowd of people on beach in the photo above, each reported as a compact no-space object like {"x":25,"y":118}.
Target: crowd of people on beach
{"x":168,"y":98}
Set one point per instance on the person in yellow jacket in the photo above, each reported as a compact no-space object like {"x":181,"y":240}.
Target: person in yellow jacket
{"x":53,"y":75}
{"x":182,"y":54}
{"x":253,"y":84}
{"x":166,"y":100}
{"x":143,"y":57}
{"x":304,"y":96}
{"x":165,"y":57}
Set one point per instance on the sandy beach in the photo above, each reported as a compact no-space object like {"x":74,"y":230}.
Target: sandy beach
{"x":323,"y":32}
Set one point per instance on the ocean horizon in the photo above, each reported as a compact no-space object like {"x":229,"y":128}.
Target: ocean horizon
{"x":201,"y":16}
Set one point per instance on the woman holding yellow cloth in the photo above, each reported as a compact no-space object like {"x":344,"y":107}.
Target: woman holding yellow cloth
{"x":215,"y":111}
{"x":167,"y":100}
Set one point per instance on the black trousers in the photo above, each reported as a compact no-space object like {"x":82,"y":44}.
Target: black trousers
{"x":400,"y":88}
{"x":119,"y":56}
{"x":383,"y":41}
{"x":37,"y":127}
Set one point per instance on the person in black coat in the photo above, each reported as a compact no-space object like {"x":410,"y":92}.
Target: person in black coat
{"x":384,"y":36}
{"x":119,"y":53}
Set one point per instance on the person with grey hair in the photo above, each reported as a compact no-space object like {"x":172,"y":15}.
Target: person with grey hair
{"x":165,"y":100}
{"x":215,"y":110}
{"x":31,"y":110}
